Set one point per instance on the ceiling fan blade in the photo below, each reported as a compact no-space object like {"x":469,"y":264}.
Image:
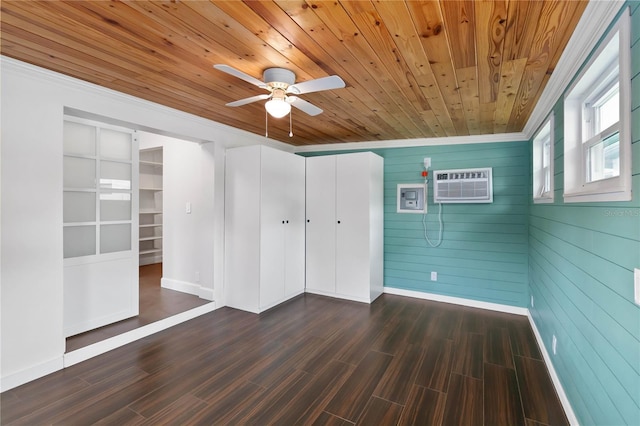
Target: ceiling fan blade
{"x":305,"y":106}
{"x":324,"y":83}
{"x":239,"y":74}
{"x":248,"y":100}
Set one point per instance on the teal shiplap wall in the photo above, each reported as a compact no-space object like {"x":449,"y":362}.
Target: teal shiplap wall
{"x":484,"y":252}
{"x":483,"y":255}
{"x":581,"y":261}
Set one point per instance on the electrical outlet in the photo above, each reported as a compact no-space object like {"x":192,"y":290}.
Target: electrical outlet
{"x":197,"y":274}
{"x":532,"y":305}
{"x":427,"y":163}
{"x":554,"y":344}
{"x":434,"y":276}
{"x":187,"y":208}
{"x":636,"y":285}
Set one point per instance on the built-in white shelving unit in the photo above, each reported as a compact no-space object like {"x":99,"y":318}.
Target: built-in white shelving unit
{"x":151,"y":167}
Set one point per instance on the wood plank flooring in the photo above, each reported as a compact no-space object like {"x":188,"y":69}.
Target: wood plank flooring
{"x":156,"y":303}
{"x":312,"y":360}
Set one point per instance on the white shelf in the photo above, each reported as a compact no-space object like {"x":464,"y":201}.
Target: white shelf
{"x":151,"y":194}
{"x":151,"y":251}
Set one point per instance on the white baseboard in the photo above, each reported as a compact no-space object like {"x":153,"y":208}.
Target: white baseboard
{"x":107,"y":345}
{"x":459,"y":301}
{"x":273,"y":305}
{"x":206,"y":293}
{"x":337,"y":296}
{"x":32,"y":373}
{"x":182,"y":286}
{"x":568,"y":410}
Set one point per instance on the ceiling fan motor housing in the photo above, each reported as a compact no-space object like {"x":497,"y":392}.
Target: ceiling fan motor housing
{"x":279,"y":78}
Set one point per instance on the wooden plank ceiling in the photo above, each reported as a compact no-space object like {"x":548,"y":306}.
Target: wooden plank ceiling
{"x":413,"y":69}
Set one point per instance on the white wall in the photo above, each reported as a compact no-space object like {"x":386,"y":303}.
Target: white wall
{"x":33,"y":104}
{"x":31,"y":263}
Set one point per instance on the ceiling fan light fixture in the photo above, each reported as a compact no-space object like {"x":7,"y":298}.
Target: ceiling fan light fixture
{"x":280,"y":82}
{"x":277,"y":108}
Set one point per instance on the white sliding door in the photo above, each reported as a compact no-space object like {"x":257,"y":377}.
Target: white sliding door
{"x":100,"y":230}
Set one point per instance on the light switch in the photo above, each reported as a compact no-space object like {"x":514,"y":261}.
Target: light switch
{"x":188,"y":208}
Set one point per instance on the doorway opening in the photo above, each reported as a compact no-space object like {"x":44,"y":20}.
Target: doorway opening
{"x":169,"y":284}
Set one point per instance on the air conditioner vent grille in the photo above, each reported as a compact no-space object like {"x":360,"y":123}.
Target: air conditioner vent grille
{"x":463,"y":186}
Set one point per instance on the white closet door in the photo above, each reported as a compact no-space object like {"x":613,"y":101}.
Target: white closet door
{"x":100,"y":229}
{"x":321,"y":224}
{"x":294,"y":227}
{"x":242,"y":228}
{"x":272,"y":226}
{"x":352,"y":225}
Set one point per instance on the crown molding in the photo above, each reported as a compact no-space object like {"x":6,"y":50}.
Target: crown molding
{"x":405,"y":143}
{"x":593,"y":24}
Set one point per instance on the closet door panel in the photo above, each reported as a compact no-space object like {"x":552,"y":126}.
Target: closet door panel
{"x":272,"y":227}
{"x":242,"y":228}
{"x":294,"y":229}
{"x":321,"y":224}
{"x":352,"y":226}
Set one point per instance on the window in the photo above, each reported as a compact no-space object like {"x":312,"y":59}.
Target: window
{"x":98,"y":193}
{"x":543,"y":163}
{"x":597,"y":122}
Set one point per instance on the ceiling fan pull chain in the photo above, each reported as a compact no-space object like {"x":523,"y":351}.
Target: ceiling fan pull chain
{"x":266,"y":124}
{"x":290,"y":126}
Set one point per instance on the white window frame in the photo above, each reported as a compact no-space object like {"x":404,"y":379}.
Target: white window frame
{"x":592,"y":82}
{"x":542,"y":191}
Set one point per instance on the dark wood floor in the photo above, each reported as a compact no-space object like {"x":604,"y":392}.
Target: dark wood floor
{"x":313,"y":360}
{"x":156,"y":303}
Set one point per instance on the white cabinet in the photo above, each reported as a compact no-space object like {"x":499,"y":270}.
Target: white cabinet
{"x":344,"y":230}
{"x":264,"y":227}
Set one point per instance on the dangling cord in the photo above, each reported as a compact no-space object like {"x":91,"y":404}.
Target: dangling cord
{"x":424,"y":222}
{"x":290,"y":125}
{"x":424,"y":226}
{"x":266,"y":124}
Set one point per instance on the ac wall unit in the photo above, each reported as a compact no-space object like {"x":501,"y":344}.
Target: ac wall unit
{"x":463,"y":186}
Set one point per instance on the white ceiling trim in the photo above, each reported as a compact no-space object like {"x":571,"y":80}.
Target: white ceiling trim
{"x":596,"y":18}
{"x":404,"y":143}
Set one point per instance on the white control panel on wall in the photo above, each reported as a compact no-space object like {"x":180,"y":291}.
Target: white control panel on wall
{"x":412,"y":198}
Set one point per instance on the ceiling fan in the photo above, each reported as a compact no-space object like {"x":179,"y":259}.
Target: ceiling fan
{"x":280,"y":83}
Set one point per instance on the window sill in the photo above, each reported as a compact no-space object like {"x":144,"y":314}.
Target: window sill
{"x":543,"y":200}
{"x":587,"y":197}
